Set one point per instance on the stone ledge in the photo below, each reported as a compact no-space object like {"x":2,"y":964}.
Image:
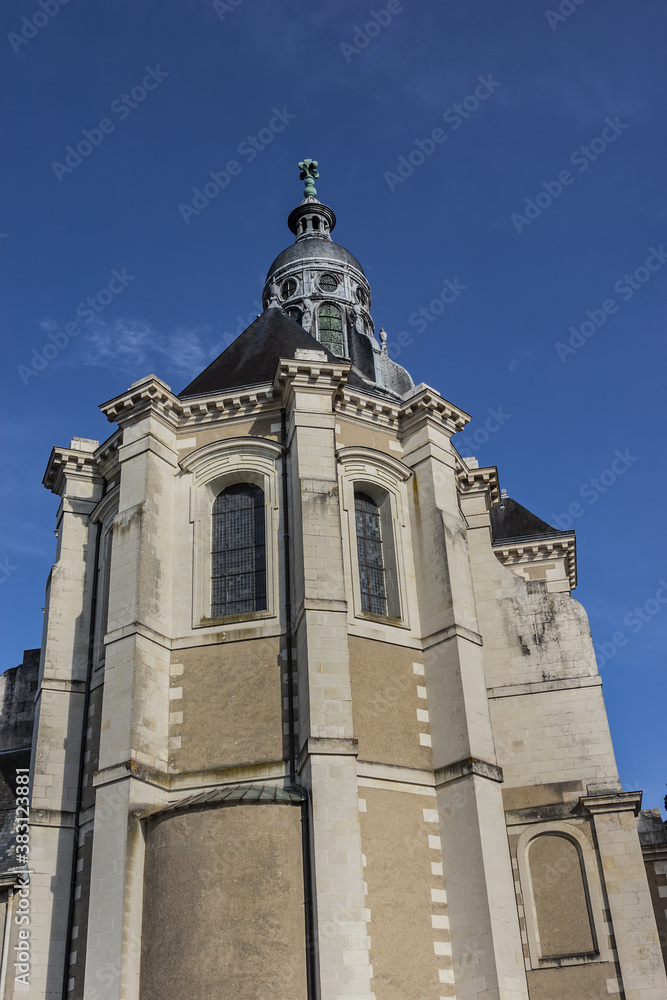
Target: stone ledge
{"x":316,"y":746}
{"x":538,"y":687}
{"x":464,"y":768}
{"x":449,"y":633}
{"x":60,"y":818}
{"x":610,"y":802}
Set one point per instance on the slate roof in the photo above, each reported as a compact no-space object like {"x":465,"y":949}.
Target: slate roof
{"x":253,"y":357}
{"x":510,"y":521}
{"x":310,"y":247}
{"x":248,"y":794}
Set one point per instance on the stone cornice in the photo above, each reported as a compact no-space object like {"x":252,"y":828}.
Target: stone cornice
{"x":611,"y":802}
{"x":426,"y":404}
{"x":305,"y":374}
{"x":69,"y":463}
{"x":106,"y":455}
{"x":231,"y":403}
{"x":525,"y":551}
{"x":149,"y":396}
{"x":478,"y":481}
{"x":367,"y":407}
{"x":654,"y":852}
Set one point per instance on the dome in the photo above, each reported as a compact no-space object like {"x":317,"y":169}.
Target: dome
{"x":309,"y":249}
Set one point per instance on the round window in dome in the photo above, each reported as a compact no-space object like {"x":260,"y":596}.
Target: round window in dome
{"x":288,"y":288}
{"x":328,"y":283}
{"x":361,"y":296}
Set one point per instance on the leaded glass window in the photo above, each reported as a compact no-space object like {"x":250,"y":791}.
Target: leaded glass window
{"x":369,"y":551}
{"x":294,"y":313}
{"x":238,"y":560}
{"x":328,"y":283}
{"x":330,"y":328}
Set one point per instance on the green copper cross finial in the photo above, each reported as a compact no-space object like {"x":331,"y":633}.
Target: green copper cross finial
{"x":308,"y":173}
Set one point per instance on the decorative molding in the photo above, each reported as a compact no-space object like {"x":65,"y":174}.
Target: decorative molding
{"x":478,"y":481}
{"x":527,"y":551}
{"x":198,"y":410}
{"x":292,"y":374}
{"x":369,"y":408}
{"x":72,"y":463}
{"x":219,"y":457}
{"x":359,"y":461}
{"x":611,"y":802}
{"x":107,"y":456}
{"x":152,"y":395}
{"x":425,"y":403}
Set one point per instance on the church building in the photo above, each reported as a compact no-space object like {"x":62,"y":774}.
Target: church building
{"x":315,"y":715}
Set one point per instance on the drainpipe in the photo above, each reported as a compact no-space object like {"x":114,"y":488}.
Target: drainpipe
{"x":82,"y":754}
{"x":312,"y":969}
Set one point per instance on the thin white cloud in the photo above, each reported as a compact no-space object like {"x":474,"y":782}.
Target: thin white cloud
{"x":132,"y":346}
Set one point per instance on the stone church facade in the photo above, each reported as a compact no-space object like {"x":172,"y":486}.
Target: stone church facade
{"x":315,"y":714}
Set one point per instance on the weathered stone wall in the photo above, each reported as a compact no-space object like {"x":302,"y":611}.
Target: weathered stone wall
{"x":389,"y":714}
{"x":17,"y":702}
{"x":409,"y":927}
{"x":223,"y":905}
{"x":225,"y":705}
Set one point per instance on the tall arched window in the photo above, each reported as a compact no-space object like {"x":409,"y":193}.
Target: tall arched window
{"x":369,"y":550}
{"x":330,"y":328}
{"x":238,"y":560}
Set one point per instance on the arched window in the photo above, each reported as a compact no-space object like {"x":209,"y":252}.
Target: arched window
{"x":330,"y":328}
{"x":238,"y":559}
{"x":369,"y":550}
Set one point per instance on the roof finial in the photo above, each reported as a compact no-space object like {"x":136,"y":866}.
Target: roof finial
{"x":308,"y":173}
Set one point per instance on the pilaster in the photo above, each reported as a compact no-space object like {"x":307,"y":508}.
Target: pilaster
{"x":486,"y":940}
{"x":632,"y":915}
{"x":327,"y":758}
{"x":135,"y":709}
{"x":71,"y":473}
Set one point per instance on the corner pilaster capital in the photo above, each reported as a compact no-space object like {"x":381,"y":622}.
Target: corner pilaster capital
{"x":149,"y":396}
{"x":308,"y":374}
{"x":74,"y":471}
{"x":477,"y":481}
{"x":423,"y":406}
{"x":612,"y":802}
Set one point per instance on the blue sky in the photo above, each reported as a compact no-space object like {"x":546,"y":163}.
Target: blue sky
{"x":560,"y":118}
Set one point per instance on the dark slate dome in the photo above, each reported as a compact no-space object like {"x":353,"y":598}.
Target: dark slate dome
{"x":307,"y":249}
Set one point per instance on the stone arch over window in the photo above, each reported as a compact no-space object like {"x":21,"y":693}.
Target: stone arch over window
{"x":238,"y":551}
{"x":234,"y":508}
{"x":330,"y":328}
{"x":562,"y":896}
{"x":374,"y":509}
